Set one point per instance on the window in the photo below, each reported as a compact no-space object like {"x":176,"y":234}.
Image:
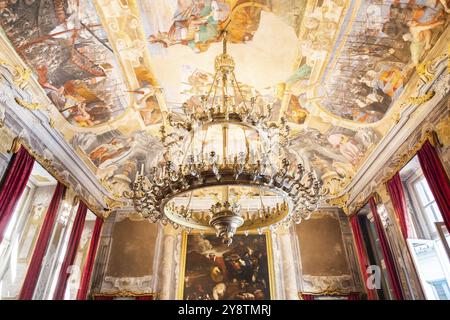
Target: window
{"x":441,"y":289}
{"x":429,"y":239}
{"x":428,"y":206}
{"x":23,"y":230}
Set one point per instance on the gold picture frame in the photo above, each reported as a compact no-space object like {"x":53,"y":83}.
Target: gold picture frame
{"x":270,"y":262}
{"x":124,"y":294}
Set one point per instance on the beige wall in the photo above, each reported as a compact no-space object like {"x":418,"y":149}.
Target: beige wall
{"x":321,"y":247}
{"x":326,"y":254}
{"x":132,"y":251}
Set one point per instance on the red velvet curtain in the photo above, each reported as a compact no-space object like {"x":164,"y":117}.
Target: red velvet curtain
{"x":14,"y":182}
{"x":89,"y":266}
{"x":306,"y":296}
{"x":395,"y":188}
{"x":34,"y":268}
{"x":72,"y":247}
{"x":149,"y":297}
{"x":353,"y":296}
{"x":363,"y":263}
{"x":387,"y":254}
{"x":437,"y":179}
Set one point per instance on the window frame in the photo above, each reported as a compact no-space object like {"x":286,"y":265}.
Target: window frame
{"x":422,"y":225}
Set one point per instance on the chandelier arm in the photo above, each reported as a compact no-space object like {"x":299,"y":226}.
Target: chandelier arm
{"x":203,"y":142}
{"x":224,"y":95}
{"x":190,"y":146}
{"x":261,"y":200}
{"x":239,"y":90}
{"x":213,"y":85}
{"x":247,"y":146}
{"x":189,"y":201}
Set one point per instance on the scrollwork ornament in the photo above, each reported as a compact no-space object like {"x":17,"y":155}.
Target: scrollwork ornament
{"x":27,"y":105}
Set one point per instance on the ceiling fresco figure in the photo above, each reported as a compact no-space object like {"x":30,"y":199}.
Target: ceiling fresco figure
{"x":115,"y":158}
{"x":63,"y":41}
{"x":196,"y":23}
{"x":388,"y":39}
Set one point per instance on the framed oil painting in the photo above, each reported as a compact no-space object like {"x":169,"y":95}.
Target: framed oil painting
{"x":212,"y":271}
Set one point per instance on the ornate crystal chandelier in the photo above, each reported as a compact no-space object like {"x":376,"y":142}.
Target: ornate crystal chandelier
{"x":225,"y":166}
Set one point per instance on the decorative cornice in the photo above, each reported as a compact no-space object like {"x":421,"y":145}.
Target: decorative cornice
{"x":422,"y":99}
{"x":48,"y":165}
{"x":27,"y":105}
{"x":341,"y":202}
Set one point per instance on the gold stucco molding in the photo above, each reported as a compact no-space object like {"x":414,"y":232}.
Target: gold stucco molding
{"x":341,"y":202}
{"x":422,"y":99}
{"x":125,"y":294}
{"x":329,"y":292}
{"x":21,"y":77}
{"x":27,"y":105}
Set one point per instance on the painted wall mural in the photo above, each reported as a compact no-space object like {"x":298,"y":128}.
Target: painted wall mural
{"x":334,"y":69}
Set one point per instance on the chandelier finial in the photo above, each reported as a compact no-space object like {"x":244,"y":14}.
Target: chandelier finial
{"x":224,"y":42}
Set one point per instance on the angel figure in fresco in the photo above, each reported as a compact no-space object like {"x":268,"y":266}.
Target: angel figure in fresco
{"x":419,"y":17}
{"x":195,"y":23}
{"x":347,"y":146}
{"x":420,"y":38}
{"x":147,"y":103}
{"x":143,"y":93}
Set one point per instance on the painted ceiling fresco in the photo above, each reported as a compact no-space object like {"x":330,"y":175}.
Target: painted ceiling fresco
{"x":114,"y":68}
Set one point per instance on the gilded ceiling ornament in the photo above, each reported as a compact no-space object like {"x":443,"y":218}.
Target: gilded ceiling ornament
{"x":112,"y":203}
{"x":27,"y":105}
{"x":424,"y":72}
{"x":396,"y":117}
{"x":336,"y":185}
{"x":341,"y":202}
{"x":422,"y":99}
{"x":21,"y":75}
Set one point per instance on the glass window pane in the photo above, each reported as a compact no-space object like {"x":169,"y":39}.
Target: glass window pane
{"x":423,"y":195}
